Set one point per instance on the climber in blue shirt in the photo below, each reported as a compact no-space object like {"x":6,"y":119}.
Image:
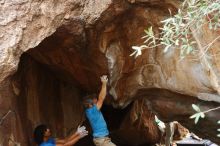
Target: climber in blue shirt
{"x":92,"y":109}
{"x":42,"y":136}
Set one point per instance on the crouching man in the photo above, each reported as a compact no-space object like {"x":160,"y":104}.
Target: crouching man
{"x":43,"y":136}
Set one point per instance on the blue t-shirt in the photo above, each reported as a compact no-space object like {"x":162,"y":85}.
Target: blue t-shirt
{"x":97,"y":122}
{"x":49,"y":142}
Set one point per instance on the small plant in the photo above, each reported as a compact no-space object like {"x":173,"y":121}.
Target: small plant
{"x":201,"y":114}
{"x":178,"y":30}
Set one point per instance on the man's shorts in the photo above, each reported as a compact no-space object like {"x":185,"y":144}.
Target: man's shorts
{"x":103,"y":141}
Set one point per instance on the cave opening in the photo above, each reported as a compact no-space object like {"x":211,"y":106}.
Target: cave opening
{"x":44,"y":96}
{"x":47,"y":95}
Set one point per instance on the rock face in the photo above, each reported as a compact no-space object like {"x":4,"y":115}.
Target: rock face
{"x":63,"y":48}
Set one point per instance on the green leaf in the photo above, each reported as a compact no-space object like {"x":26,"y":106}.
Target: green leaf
{"x":183,"y":39}
{"x":170,"y":11}
{"x":145,"y":31}
{"x":177,"y":42}
{"x":196,"y":108}
{"x":164,"y":43}
{"x":183,"y":47}
{"x":197,"y":119}
{"x":193,"y":42}
{"x":202,"y":115}
{"x":168,"y":20}
{"x":194,"y":116}
{"x":150,"y":30}
{"x":166,"y":48}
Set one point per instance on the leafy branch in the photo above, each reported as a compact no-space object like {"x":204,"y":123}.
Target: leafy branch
{"x":176,"y":30}
{"x":201,"y":114}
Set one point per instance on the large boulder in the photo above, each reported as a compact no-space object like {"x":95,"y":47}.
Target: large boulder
{"x":63,"y":47}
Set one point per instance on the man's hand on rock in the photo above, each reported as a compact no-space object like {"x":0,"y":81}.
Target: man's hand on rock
{"x":104,"y":79}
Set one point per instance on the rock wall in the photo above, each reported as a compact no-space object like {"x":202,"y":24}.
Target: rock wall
{"x":64,"y":47}
{"x":43,"y":98}
{"x":24,"y":24}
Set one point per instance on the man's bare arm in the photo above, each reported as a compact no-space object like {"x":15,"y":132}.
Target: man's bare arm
{"x":102,"y":93}
{"x":66,"y":140}
{"x":71,"y":140}
{"x":67,"y":143}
